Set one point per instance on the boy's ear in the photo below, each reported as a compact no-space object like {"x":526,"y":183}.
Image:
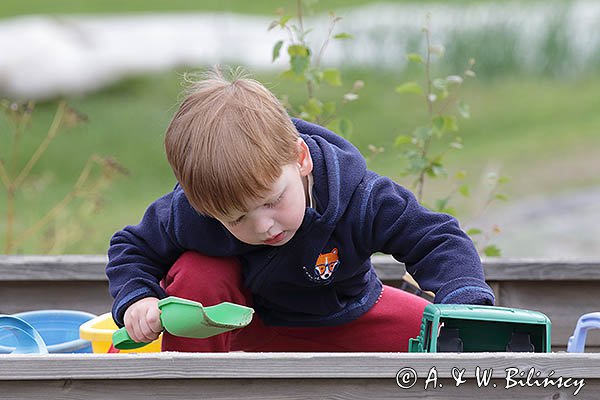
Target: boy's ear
{"x":304,"y":159}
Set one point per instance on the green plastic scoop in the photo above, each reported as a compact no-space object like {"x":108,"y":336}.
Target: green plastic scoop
{"x":187,"y":318}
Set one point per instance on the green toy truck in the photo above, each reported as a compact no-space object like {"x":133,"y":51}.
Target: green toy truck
{"x":465,"y":328}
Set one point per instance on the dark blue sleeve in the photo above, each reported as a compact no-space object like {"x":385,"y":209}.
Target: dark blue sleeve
{"x":436,"y":252}
{"x":139,"y":257}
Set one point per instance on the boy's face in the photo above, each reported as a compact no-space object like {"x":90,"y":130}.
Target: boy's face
{"x":274,"y":219}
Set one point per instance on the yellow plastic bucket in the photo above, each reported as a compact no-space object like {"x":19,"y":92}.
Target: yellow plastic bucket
{"x":99,"y":331}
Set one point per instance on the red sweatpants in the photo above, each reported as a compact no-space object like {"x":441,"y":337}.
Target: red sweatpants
{"x":387,"y":326}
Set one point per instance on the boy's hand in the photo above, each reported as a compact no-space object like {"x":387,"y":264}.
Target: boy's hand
{"x":142,"y":320}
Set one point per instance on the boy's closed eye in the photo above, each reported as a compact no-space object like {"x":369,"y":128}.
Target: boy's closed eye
{"x":275,"y":202}
{"x":237,"y":221}
{"x":268,"y":205}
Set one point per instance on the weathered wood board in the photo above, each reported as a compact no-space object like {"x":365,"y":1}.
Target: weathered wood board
{"x":300,"y":376}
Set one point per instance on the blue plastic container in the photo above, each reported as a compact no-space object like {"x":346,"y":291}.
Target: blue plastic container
{"x":58,"y":328}
{"x":27,"y":340}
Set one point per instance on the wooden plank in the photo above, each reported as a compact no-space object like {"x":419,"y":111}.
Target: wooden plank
{"x":509,"y":269}
{"x":86,"y":296}
{"x":562,"y":302}
{"x":53,"y":268}
{"x":496,"y":287}
{"x":172,"y":365}
{"x":91,"y":268}
{"x":281,"y":389}
{"x":524,"y":269}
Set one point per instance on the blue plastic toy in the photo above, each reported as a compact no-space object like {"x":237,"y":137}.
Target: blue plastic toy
{"x":586,"y":322}
{"x":27,"y":339}
{"x":59,"y":330}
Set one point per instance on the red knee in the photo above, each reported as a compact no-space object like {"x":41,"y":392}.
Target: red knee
{"x":209,"y":280}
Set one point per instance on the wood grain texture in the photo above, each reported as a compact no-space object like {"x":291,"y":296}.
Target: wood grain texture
{"x":173,"y":365}
{"x":278,"y":389}
{"x":508,"y":269}
{"x":53,"y":268}
{"x":91,"y":268}
{"x":562,"y":302}
{"x":286,"y":376}
{"x":89,"y":296}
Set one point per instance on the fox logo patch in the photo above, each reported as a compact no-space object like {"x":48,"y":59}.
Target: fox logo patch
{"x":324,"y":267}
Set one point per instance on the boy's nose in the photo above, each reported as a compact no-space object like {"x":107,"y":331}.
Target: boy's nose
{"x":263,"y":224}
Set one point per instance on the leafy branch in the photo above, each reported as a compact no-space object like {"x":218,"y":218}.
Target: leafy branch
{"x":444,"y":108}
{"x":306,"y":69}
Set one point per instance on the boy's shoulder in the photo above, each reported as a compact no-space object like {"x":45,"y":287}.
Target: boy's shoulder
{"x":310,"y":129}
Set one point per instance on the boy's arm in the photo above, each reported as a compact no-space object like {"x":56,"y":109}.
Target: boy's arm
{"x":139,"y":257}
{"x":436,"y":252}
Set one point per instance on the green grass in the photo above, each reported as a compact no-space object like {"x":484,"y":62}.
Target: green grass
{"x":9,"y":8}
{"x":543,"y":133}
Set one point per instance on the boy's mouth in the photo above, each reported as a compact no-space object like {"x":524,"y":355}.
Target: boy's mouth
{"x":275,"y":239}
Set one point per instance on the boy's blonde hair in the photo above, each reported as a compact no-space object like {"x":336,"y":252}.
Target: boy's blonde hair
{"x":228,"y":142}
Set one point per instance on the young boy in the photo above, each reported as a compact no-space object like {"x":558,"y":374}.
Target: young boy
{"x":282,"y":215}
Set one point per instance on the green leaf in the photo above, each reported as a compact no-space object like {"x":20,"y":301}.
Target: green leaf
{"x":438,"y":123}
{"x":503,"y":179}
{"x":463,"y":110}
{"x":299,"y":64}
{"x":314,"y":76}
{"x":332,"y":77}
{"x":292,"y":76}
{"x":492,"y":251}
{"x":409,"y":87}
{"x":298,"y":50}
{"x":438,"y":160}
{"x":342,"y":126}
{"x":401,"y":140}
{"x":416,"y":162}
{"x":501,"y":197}
{"x":437,"y":170}
{"x":284,"y":20}
{"x":440,"y":204}
{"x":276,"y":50}
{"x":343,"y":35}
{"x":474,"y":231}
{"x":289,"y":74}
{"x":422,"y":133}
{"x":415,"y":57}
{"x":465,"y":190}
{"x":313,"y":107}
{"x":450,"y":123}
{"x":462,"y":174}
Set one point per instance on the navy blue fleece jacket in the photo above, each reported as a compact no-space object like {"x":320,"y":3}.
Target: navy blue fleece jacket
{"x":356,"y":212}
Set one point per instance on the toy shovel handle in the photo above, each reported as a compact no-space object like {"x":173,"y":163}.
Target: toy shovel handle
{"x":122,"y":340}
